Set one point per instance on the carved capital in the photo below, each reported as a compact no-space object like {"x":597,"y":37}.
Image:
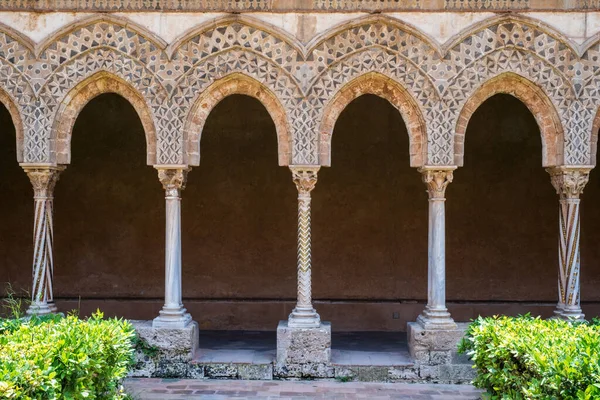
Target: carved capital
{"x":43,"y":179}
{"x":173,"y":179}
{"x":436,"y":180}
{"x":305,"y":178}
{"x":569,"y":181}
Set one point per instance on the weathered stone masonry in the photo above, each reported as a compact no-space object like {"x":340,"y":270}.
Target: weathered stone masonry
{"x":174,"y":61}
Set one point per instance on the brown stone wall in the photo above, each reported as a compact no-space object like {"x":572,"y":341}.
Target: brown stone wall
{"x":239,"y":220}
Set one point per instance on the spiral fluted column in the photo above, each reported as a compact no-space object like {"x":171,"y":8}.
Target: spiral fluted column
{"x":569,"y":182}
{"x":304,"y":315}
{"x":43,"y":179}
{"x":436,"y":315}
{"x":173,"y":314}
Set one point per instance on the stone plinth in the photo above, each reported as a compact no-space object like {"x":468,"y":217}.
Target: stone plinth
{"x":303,"y":352}
{"x":165,"y":352}
{"x":436,"y":356}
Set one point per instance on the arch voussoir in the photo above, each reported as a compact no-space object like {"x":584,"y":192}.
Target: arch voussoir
{"x":388,"y":89}
{"x":80,"y":95}
{"x":235,"y":83}
{"x":538,"y":103}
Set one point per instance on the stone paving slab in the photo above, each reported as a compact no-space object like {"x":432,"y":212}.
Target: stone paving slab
{"x":176,"y":389}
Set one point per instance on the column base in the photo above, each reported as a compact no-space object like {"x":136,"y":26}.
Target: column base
{"x":38,"y":308}
{"x":172,"y":318}
{"x":303,"y":352}
{"x":439,"y":319}
{"x":304,"y":318}
{"x":569,"y":313}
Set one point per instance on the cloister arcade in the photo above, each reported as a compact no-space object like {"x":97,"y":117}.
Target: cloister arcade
{"x":504,"y":116}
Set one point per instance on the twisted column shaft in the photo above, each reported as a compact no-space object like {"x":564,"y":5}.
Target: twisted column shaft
{"x":436,"y":315}
{"x":43,"y":179}
{"x":569,"y":183}
{"x":173,"y":314}
{"x":304,"y":315}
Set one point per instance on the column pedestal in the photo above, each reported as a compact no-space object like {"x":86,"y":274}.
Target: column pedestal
{"x":43,"y":178}
{"x":173,"y":315}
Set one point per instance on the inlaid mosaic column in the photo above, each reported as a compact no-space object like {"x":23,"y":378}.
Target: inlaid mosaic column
{"x":569,"y":182}
{"x":304,"y":315}
{"x":43,"y":178}
{"x":436,"y":315}
{"x":173,"y":314}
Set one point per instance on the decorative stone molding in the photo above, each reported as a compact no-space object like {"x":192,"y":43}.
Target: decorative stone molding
{"x":173,"y":178}
{"x":294,"y":5}
{"x":43,"y":179}
{"x":437,"y":180}
{"x":569,"y":183}
{"x":304,"y":85}
{"x":304,"y":315}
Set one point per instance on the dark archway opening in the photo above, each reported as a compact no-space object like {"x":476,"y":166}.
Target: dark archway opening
{"x":369,"y":234}
{"x":16,"y":214}
{"x":239,"y":234}
{"x":502,"y":218}
{"x":109,"y":217}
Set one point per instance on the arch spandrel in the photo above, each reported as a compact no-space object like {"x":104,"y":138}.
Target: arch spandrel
{"x":235,"y":83}
{"x":538,"y":103}
{"x":84,"y":92}
{"x":382,"y":86}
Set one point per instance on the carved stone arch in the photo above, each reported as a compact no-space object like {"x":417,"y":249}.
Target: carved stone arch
{"x":17,"y":120}
{"x":80,"y":95}
{"x":197,"y":80}
{"x":510,"y":31}
{"x":388,"y":89}
{"x":381,"y":32}
{"x":538,"y":103}
{"x":234,"y":33}
{"x":377,"y":60}
{"x":235,"y":83}
{"x":118,"y":36}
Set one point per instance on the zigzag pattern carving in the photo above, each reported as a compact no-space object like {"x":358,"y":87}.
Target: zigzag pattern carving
{"x":304,"y":79}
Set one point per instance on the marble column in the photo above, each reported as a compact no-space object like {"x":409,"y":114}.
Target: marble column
{"x":436,"y":315}
{"x":173,"y":314}
{"x":43,"y":178}
{"x":569,"y":182}
{"x":304,"y":315}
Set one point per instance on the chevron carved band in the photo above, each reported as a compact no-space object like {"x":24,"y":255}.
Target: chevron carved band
{"x":305,"y":178}
{"x":43,"y":180}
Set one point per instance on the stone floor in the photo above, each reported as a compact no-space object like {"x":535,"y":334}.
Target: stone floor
{"x":171,"y":389}
{"x":348,"y":348}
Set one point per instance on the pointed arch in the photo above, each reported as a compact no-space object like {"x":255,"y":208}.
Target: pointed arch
{"x":534,"y":98}
{"x":82,"y":94}
{"x":17,"y":121}
{"x":388,"y":89}
{"x":62,"y":34}
{"x":235,"y":83}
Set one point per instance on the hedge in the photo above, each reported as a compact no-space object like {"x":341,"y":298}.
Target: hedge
{"x":64,"y":357}
{"x":531,"y":358}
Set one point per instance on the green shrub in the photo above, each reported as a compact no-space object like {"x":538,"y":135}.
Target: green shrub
{"x":64,"y":358}
{"x":531,"y":358}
